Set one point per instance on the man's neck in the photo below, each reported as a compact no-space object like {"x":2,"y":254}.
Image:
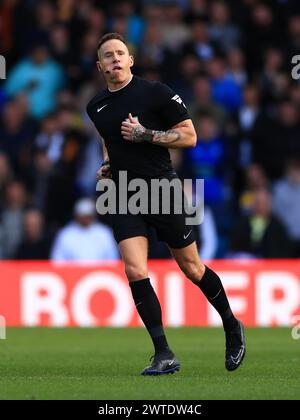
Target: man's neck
{"x":117,"y":86}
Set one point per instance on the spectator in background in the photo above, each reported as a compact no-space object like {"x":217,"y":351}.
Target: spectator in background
{"x":260,"y":32}
{"x":11,"y":218}
{"x":84,"y":239}
{"x":286,"y":202}
{"x":62,"y":189}
{"x":152,"y":53}
{"x":242,"y":125}
{"x":249,"y":111}
{"x":225,"y":90}
{"x":276,"y":138}
{"x":16,"y":132}
{"x":134,"y":24}
{"x":206,"y":160}
{"x":41,"y":171}
{"x":88,"y":166}
{"x":60,"y":46}
{"x":260,"y":234}
{"x":200,"y":43}
{"x":40,"y":78}
{"x":57,"y":155}
{"x":96,"y":19}
{"x":236,"y":66}
{"x":222,"y":31}
{"x":64,"y":53}
{"x":255,"y":180}
{"x":174,"y":31}
{"x":188,"y":68}
{"x":197,"y":8}
{"x":202,"y":102}
{"x":272,"y":82}
{"x":35,"y":244}
{"x":50,"y":139}
{"x":85,"y":63}
{"x":44,"y":19}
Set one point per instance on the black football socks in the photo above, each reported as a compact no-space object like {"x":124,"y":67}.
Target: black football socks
{"x":148,"y":307}
{"x":212,"y":288}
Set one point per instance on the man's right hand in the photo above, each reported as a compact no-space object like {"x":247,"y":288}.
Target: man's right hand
{"x":104,"y":171}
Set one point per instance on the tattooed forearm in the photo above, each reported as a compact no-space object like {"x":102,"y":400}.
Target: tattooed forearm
{"x":166,"y":137}
{"x":141,"y":134}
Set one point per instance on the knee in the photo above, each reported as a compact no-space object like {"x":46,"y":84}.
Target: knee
{"x":134,"y":272}
{"x":193,"y":270}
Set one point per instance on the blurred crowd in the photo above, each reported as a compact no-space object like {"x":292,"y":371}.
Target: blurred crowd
{"x":230,"y":61}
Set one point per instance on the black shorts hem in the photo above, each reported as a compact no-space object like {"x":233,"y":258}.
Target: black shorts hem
{"x":180,"y":245}
{"x":130,"y":235}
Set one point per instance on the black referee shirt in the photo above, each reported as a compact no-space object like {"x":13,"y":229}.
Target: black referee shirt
{"x":156,"y":106}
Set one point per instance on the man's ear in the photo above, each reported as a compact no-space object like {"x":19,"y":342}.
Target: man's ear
{"x":98,"y":64}
{"x":131,"y":60}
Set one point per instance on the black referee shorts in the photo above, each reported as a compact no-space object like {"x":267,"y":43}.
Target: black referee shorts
{"x":170,"y":228}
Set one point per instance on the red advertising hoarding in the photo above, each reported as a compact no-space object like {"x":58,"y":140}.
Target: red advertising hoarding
{"x":261,"y":293}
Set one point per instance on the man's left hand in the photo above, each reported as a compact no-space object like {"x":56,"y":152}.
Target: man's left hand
{"x":132,"y":130}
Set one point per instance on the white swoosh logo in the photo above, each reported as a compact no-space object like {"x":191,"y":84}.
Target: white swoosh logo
{"x":237,"y":358}
{"x":186,"y":236}
{"x":170,"y":363}
{"x":99,"y":109}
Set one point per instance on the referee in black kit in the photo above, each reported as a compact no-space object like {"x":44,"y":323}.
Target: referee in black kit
{"x":138,"y":121}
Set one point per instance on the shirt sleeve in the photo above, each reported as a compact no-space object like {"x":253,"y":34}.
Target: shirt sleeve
{"x":88,"y":111}
{"x":170,"y":106}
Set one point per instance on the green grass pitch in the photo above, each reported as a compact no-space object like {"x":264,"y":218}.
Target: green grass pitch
{"x":105,"y":363}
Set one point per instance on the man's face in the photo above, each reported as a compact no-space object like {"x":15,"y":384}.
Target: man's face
{"x":85,"y":219}
{"x":114,"y":61}
{"x":39,"y":55}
